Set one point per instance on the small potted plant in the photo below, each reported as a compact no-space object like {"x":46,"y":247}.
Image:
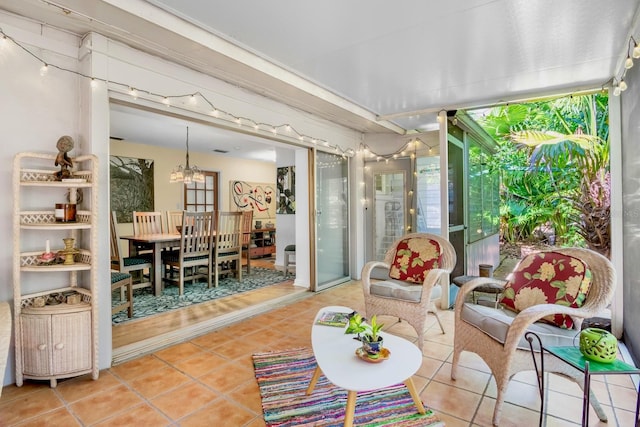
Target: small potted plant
{"x":368,"y":334}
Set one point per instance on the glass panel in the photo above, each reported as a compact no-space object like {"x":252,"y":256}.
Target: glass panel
{"x":332,"y":219}
{"x":389,"y":208}
{"x":428,"y":195}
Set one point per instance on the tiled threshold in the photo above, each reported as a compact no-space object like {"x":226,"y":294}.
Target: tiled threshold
{"x":226,"y":311}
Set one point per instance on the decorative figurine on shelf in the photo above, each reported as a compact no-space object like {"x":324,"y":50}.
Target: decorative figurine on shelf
{"x":64,"y":145}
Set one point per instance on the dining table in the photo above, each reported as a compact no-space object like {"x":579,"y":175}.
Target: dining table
{"x":157,"y":242}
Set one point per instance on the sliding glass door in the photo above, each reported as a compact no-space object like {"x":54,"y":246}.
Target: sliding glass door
{"x":332,"y":220}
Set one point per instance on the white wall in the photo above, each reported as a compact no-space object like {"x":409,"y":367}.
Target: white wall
{"x":37,"y":110}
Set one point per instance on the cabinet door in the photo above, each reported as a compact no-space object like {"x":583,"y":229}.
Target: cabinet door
{"x":71,"y":342}
{"x":36,"y":339}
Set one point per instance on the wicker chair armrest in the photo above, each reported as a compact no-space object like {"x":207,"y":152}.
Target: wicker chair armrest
{"x":468,"y":287}
{"x":366,"y":273}
{"x":532,"y":314}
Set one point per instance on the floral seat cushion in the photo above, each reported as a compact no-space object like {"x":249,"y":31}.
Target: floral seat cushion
{"x":414,"y":257}
{"x":548,"y":278}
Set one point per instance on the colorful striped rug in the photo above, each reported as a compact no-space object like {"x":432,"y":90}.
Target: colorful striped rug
{"x":283,"y":378}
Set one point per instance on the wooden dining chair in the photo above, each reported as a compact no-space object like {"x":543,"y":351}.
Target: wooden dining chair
{"x":147,"y":223}
{"x":174,"y":220}
{"x":194,"y":253}
{"x":227,"y":248}
{"x":247,"y":225}
{"x":134,"y":265}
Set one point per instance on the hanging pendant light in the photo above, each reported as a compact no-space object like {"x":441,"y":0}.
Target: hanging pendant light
{"x":187,"y":174}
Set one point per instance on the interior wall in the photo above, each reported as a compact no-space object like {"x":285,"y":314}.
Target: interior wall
{"x":630,"y":134}
{"x":36,"y":110}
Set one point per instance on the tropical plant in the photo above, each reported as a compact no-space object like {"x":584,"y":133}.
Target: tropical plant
{"x":554,"y":164}
{"x":365,"y":332}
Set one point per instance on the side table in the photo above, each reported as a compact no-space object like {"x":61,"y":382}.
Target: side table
{"x":495,"y":287}
{"x":573,"y":357}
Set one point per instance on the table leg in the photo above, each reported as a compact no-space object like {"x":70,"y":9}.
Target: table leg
{"x":157,"y":269}
{"x":314,"y":380}
{"x":415,"y":395}
{"x":351,"y":408}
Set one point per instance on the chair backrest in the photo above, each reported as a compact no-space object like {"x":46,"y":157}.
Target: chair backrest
{"x":147,"y":223}
{"x":116,"y":257}
{"x":601,"y":288}
{"x":447,"y":252}
{"x":196,"y":235}
{"x":247,"y":224}
{"x":174,"y":219}
{"x":228,"y":232}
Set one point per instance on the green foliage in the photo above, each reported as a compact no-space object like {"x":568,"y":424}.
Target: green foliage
{"x":553,"y":160}
{"x":358,"y":325}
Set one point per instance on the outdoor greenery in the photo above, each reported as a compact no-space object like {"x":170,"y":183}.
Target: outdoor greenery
{"x":554,"y":166}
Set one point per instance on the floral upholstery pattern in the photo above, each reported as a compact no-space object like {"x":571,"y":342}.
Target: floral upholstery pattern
{"x":414,"y":258}
{"x":548,"y":278}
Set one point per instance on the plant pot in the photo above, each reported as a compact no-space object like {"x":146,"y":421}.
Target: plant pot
{"x":372,"y":347}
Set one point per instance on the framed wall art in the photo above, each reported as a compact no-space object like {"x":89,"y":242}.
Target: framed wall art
{"x":256,"y":196}
{"x":131,"y":183}
{"x":286,"y":177}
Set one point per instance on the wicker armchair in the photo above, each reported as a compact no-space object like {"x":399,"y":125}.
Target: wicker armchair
{"x":408,"y":300}
{"x":497,"y":334}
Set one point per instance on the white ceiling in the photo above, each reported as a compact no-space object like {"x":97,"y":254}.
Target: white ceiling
{"x":373,"y":65}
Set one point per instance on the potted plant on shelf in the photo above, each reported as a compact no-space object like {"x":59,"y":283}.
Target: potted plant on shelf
{"x":368,"y":334}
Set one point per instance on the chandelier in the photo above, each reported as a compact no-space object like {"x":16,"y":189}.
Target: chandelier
{"x":187,"y":174}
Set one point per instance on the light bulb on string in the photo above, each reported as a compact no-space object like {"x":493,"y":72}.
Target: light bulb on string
{"x":616,"y":90}
{"x":622,"y":85}
{"x":628,"y":63}
{"x":165,"y":99}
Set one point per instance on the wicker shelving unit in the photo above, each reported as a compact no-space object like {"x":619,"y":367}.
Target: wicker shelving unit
{"x":55,"y":304}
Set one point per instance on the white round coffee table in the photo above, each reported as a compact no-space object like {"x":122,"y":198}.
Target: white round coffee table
{"x":335,"y":355}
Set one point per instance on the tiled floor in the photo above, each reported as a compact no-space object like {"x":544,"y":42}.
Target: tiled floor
{"x":209,"y":381}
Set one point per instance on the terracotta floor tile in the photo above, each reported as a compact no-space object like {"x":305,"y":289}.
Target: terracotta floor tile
{"x":467,"y":379}
{"x":29,"y":405}
{"x":58,"y":417}
{"x":184,"y":400}
{"x":139,"y":416}
{"x":212,"y":339}
{"x":228,"y":378}
{"x":451,"y":400}
{"x":437,"y":351}
{"x":237,"y":348}
{"x":101,"y":406}
{"x":138,"y":367}
{"x":159,"y":381}
{"x":220,"y":412}
{"x":429,"y":367}
{"x":248,"y":395}
{"x":512,"y":415}
{"x":200,"y":364}
{"x":178,"y":352}
{"x":84,"y":386}
{"x":10,"y":392}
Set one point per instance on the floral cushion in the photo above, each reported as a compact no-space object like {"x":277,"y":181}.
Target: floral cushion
{"x":548,"y":278}
{"x":414,"y":258}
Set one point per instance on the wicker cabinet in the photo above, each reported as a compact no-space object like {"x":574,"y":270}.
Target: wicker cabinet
{"x":55,"y":299}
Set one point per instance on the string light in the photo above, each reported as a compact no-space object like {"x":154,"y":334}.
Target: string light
{"x":193,"y":99}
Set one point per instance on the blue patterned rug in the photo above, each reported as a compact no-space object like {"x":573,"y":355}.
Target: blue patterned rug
{"x":146,"y":304}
